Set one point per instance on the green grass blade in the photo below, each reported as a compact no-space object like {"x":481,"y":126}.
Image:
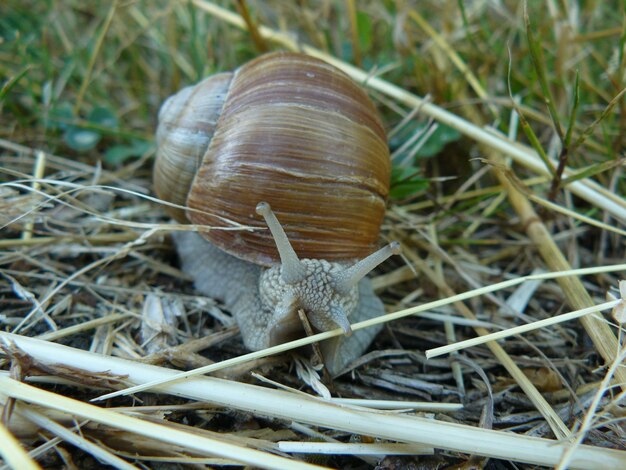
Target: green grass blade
{"x":572,"y":116}
{"x":6,"y":88}
{"x":530,"y":134}
{"x":536,"y":54}
{"x":593,"y":170}
{"x":589,"y":130}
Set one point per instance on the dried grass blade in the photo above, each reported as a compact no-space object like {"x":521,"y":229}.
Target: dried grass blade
{"x":21,"y":391}
{"x":575,"y":215}
{"x":455,"y":58}
{"x":339,"y":448}
{"x":435,"y":352}
{"x":13,"y":453}
{"x":255,"y":399}
{"x":577,"y":296}
{"x":100,"y":453}
{"x":356,"y":326}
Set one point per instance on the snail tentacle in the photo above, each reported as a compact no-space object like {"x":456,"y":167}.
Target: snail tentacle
{"x":350,"y":277}
{"x":293,"y":270}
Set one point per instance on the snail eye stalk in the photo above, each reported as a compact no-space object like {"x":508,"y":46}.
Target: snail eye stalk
{"x":293,"y":270}
{"x":350,"y":277}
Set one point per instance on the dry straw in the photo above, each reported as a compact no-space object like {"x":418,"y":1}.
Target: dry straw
{"x":290,"y":406}
{"x":435,"y":352}
{"x":13,"y":453}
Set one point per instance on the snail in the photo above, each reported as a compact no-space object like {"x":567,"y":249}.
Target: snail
{"x":293,"y":142}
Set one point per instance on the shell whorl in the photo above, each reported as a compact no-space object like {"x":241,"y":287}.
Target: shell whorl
{"x":187,"y":121}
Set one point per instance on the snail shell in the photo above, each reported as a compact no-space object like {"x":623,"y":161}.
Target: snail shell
{"x":288,"y":129}
{"x":295,"y":140}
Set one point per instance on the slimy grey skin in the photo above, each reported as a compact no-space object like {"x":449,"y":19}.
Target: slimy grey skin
{"x":265,"y":301}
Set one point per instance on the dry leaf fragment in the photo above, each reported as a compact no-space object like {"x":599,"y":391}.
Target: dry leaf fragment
{"x":619,"y":311}
{"x":545,"y":379}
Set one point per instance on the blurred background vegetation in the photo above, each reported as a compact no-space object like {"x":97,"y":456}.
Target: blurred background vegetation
{"x":86,"y":79}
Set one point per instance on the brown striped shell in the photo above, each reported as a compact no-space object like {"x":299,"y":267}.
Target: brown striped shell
{"x":187,"y":122}
{"x":295,"y":132}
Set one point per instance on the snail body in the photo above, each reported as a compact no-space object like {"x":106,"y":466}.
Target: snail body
{"x":290,"y":138}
